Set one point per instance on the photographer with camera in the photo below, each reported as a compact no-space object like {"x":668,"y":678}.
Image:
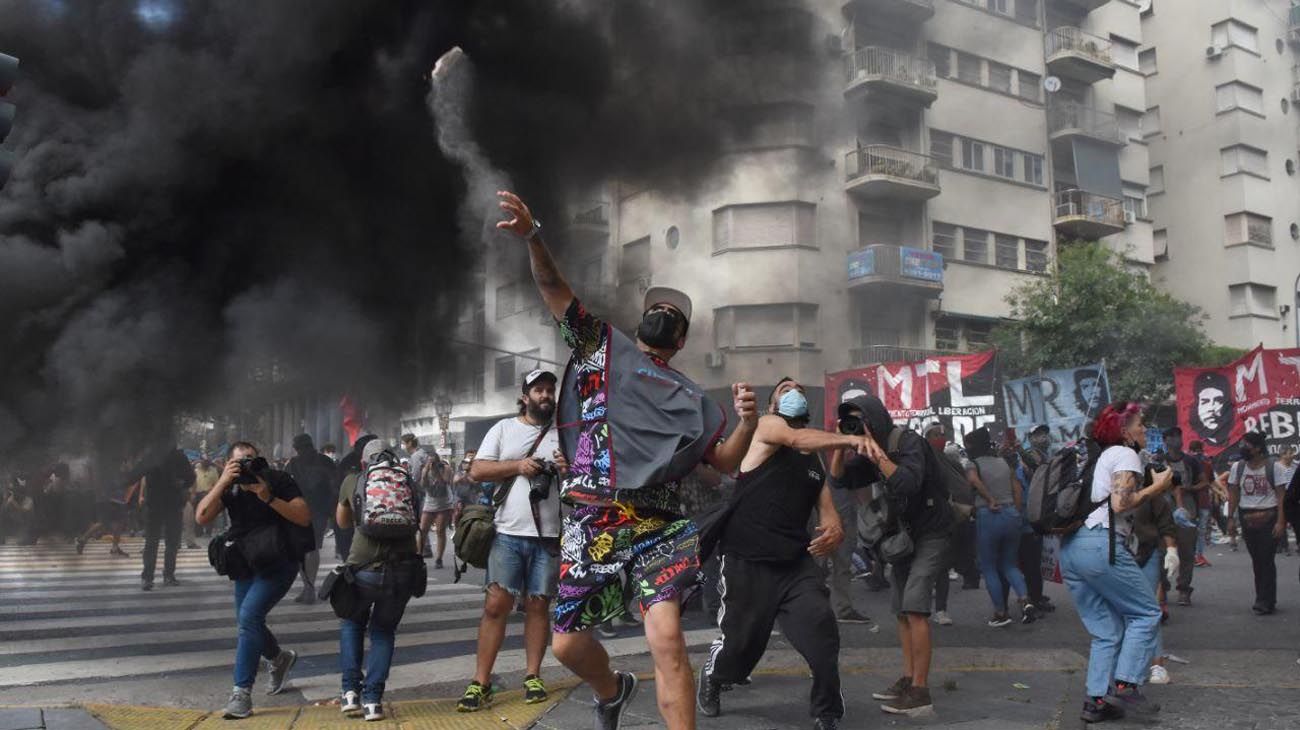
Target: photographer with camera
{"x":270,"y":532}
{"x":917,"y":495}
{"x":521,"y":454}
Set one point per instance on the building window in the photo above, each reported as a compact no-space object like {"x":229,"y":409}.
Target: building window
{"x":1004,"y":162}
{"x":941,"y":148}
{"x":968,"y":68}
{"x":1234,"y":33}
{"x":1236,"y":95}
{"x":1000,"y":6}
{"x":1035,"y":256}
{"x":1034,"y":169}
{"x":1027,"y":12}
{"x":634,"y":266}
{"x":944,"y":240}
{"x":942,"y":58}
{"x":1151,"y":122}
{"x":978,"y":334}
{"x":1160,"y":244}
{"x":1129,"y":122}
{"x":785,"y":325}
{"x":975,"y":245}
{"x":1135,"y":205}
{"x":505,"y":372}
{"x":1147,"y":61}
{"x":972,"y":155}
{"x":1240,"y":158}
{"x":999,"y":77}
{"x":763,"y":225}
{"x":1030,"y":86}
{"x":1124,"y":52}
{"x":1156,"y":182}
{"x":1248,"y":228}
{"x":1252,"y":300}
{"x":1006,"y":251}
{"x":947,"y":334}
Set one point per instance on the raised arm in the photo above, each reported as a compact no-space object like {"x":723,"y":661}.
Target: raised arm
{"x":726,"y":456}
{"x":551,"y":285}
{"x":775,"y":431}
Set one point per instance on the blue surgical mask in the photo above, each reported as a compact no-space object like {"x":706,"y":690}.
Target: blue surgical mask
{"x":793,"y":404}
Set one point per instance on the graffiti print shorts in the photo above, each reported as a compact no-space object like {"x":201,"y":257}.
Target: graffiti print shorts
{"x":610,"y":554}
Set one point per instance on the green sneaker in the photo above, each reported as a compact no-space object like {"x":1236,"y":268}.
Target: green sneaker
{"x":534,"y":691}
{"x":476,"y":697}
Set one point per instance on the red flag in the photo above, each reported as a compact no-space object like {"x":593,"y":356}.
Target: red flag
{"x":353,"y":419}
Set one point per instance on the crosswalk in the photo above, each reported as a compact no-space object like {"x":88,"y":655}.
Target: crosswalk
{"x":66,"y":618}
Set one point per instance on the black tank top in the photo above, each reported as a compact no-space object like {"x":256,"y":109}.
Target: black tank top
{"x":770,"y":522}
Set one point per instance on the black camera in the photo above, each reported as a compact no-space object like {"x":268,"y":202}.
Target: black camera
{"x":251,"y":468}
{"x":1151,"y":470}
{"x":852,"y":426}
{"x":540,"y":488}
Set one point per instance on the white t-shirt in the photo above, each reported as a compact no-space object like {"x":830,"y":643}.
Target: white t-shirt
{"x":510,"y":439}
{"x":1256,"y":491}
{"x":1284,"y":473}
{"x":1113,"y":460}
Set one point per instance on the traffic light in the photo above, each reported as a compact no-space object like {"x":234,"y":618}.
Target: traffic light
{"x":8,"y":74}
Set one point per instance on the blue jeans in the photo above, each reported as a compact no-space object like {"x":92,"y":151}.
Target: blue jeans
{"x":1153,"y":569}
{"x":522,"y":566}
{"x":381,"y":611}
{"x":997,"y":536}
{"x":1202,"y":531}
{"x":254,"y":599}
{"x":1116,"y":604}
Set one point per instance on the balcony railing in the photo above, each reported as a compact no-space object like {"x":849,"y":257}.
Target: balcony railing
{"x":1073,"y":40}
{"x":879,"y":159}
{"x":1080,"y":205}
{"x":881,"y":263}
{"x":597,"y":215}
{"x":1073,"y":116}
{"x":890,"y":65}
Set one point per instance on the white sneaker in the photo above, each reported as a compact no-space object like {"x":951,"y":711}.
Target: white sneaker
{"x":374,"y":711}
{"x":351,"y":702}
{"x":952,"y":575}
{"x":942,"y":618}
{"x":1159,"y":675}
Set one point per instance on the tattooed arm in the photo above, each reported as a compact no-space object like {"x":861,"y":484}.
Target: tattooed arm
{"x":554,"y":289}
{"x":1126,"y":495}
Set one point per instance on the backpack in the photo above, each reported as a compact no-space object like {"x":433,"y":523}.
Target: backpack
{"x":1060,"y":493}
{"x":384,"y":503}
{"x":960,"y":494}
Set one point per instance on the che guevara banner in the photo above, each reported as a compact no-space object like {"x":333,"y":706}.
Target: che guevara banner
{"x":1259,"y":392}
{"x":964,"y":392}
{"x":1063,"y":400}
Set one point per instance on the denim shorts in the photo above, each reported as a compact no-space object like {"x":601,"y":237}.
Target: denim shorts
{"x":522,"y":566}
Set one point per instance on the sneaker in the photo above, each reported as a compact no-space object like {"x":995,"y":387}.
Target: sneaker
{"x":170,"y":582}
{"x":999,"y":620}
{"x":1127,"y":698}
{"x":707,"y":695}
{"x":826,"y":723}
{"x":306,"y":597}
{"x":119,"y":552}
{"x":609,"y":715}
{"x":1234,"y":545}
{"x":1043,"y":605}
{"x":853,"y":617}
{"x":437,"y":565}
{"x":1184,"y":598}
{"x":534,"y":691}
{"x":146,"y":585}
{"x":607,"y":631}
{"x":476,"y":697}
{"x":952,"y":575}
{"x":374,"y":711}
{"x":1099,"y":711}
{"x":1159,"y":675}
{"x":427,"y":552}
{"x":894,"y":691}
{"x":350,"y":702}
{"x":1201,"y":562}
{"x":191,"y":546}
{"x":1262,"y":610}
{"x":914,"y":702}
{"x":1028,"y":613}
{"x":240,"y":704}
{"x":942,"y":618}
{"x":81,"y":546}
{"x":280,"y":667}
{"x":970,"y":585}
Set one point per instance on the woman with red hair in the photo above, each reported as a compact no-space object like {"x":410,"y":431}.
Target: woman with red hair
{"x":1110,"y":591}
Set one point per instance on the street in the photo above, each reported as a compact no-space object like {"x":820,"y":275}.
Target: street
{"x":77,"y":630}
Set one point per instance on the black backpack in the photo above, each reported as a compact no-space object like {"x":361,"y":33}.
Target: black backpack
{"x":1060,"y":494}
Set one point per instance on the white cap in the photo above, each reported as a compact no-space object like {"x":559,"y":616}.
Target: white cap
{"x":668,"y":295}
{"x":373,"y":447}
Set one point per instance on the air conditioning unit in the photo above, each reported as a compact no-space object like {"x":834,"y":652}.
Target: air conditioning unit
{"x":714,"y":359}
{"x":1213,"y":52}
{"x":1129,"y":217}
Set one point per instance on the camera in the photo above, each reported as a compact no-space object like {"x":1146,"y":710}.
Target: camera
{"x":540,"y":487}
{"x":1148,"y":475}
{"x":852,"y":426}
{"x":251,"y":468}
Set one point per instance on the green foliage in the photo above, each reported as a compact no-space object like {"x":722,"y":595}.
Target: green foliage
{"x":1097,"y":308}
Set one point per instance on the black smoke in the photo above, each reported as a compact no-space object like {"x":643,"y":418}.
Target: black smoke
{"x":218,"y":199}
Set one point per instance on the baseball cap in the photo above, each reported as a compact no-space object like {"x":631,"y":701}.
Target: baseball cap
{"x":372,"y":447}
{"x":531,"y":378}
{"x":668,"y":295}
{"x":1041,"y":429}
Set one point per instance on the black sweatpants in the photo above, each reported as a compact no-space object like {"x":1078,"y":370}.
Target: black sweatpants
{"x":162,"y":521}
{"x":758,"y":595}
{"x":1257,"y":530}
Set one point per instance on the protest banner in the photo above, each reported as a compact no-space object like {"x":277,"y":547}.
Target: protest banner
{"x":1061,"y":399}
{"x":1258,"y":392}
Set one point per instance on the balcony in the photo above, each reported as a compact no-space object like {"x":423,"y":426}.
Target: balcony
{"x":1087,"y":5}
{"x":1293,"y":25}
{"x":895,"y":270}
{"x":883,"y":73}
{"x":902,"y":12}
{"x":881,"y":172}
{"x":877,"y":354}
{"x":1087,"y":216}
{"x":1068,"y":120}
{"x":1077,"y":55}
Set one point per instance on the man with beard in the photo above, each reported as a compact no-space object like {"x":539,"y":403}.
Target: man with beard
{"x":1211,"y":415}
{"x":768,"y":571}
{"x":1087,"y":391}
{"x":638,"y":426}
{"x":521,"y":455}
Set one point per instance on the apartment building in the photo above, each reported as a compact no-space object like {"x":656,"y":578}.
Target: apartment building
{"x":1222,"y":82}
{"x":880,"y":198}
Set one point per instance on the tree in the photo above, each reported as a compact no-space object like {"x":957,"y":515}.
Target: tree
{"x":1097,"y":308}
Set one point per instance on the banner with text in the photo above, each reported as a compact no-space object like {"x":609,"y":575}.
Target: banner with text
{"x":1259,"y":392}
{"x":1063,"y":400}
{"x":964,"y":392}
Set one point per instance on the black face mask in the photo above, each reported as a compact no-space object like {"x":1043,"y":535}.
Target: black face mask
{"x":659,"y":328}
